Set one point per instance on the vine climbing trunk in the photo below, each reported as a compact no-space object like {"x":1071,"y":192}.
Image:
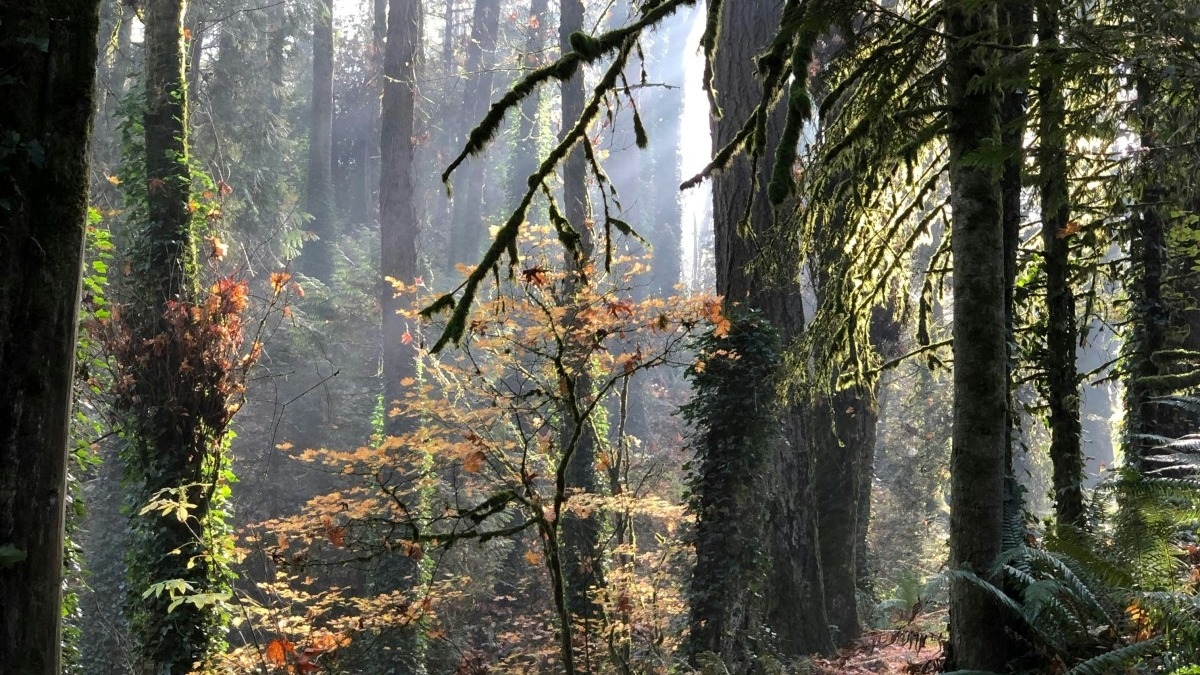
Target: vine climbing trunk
{"x":795,"y":569}
{"x":48,"y":48}
{"x":176,"y":405}
{"x":980,"y":428}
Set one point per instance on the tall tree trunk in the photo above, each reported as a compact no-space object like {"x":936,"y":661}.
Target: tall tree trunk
{"x":661,"y":109}
{"x":1015,"y":20}
{"x":399,"y":229}
{"x":839,"y":428}
{"x":580,"y":535}
{"x":467,"y":227}
{"x":525,"y":163}
{"x":399,"y":226}
{"x":977,"y":463}
{"x":1062,"y":379}
{"x":318,"y":259}
{"x":48,"y":49}
{"x":795,"y":577}
{"x":737,"y":430}
{"x":174,"y":424}
{"x":1148,"y":251}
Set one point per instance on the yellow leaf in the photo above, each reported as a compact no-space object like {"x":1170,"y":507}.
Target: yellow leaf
{"x":113,"y":180}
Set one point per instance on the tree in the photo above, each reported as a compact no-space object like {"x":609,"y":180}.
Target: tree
{"x":49,"y":52}
{"x":747,"y":29}
{"x":1062,"y":335}
{"x":399,"y":226}
{"x":580,"y":532}
{"x":320,"y":148}
{"x":977,"y":471}
{"x":178,"y":380}
{"x":467,"y":228}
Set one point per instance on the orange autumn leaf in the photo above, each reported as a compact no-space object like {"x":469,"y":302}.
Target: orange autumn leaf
{"x":407,"y":382}
{"x":321,"y":642}
{"x":335,"y":535}
{"x":407,"y":338}
{"x":412,"y":550}
{"x":278,"y":649}
{"x":113,"y":180}
{"x":474,"y":462}
{"x":278,"y":279}
{"x":216,"y":248}
{"x":712,"y":312}
{"x":1071,"y":228}
{"x":533,"y":557}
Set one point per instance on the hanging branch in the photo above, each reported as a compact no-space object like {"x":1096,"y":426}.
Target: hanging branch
{"x":586,"y":49}
{"x":506,"y":238}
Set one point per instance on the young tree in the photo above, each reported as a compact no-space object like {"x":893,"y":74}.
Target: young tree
{"x":48,"y":49}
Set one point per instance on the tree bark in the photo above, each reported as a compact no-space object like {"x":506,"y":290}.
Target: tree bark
{"x":399,"y":225}
{"x":977,"y":464}
{"x":1062,"y":334}
{"x":319,"y":253}
{"x":49,"y":52}
{"x":174,"y":425}
{"x":795,"y":578}
{"x":580,"y":538}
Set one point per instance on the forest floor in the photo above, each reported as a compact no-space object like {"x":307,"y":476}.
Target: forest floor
{"x":886,"y":652}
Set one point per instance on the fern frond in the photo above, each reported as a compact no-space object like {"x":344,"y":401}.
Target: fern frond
{"x":1117,"y":660}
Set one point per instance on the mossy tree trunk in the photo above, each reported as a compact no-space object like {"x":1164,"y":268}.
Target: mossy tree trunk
{"x":737,"y":429}
{"x":48,"y":48}
{"x":173,"y":420}
{"x":979,"y":446}
{"x":1062,"y":334}
{"x":795,"y":568}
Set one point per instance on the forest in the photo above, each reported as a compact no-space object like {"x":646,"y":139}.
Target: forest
{"x":723,"y":337}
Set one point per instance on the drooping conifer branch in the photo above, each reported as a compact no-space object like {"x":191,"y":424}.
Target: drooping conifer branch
{"x":586,"y":49}
{"x":506,"y":239}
